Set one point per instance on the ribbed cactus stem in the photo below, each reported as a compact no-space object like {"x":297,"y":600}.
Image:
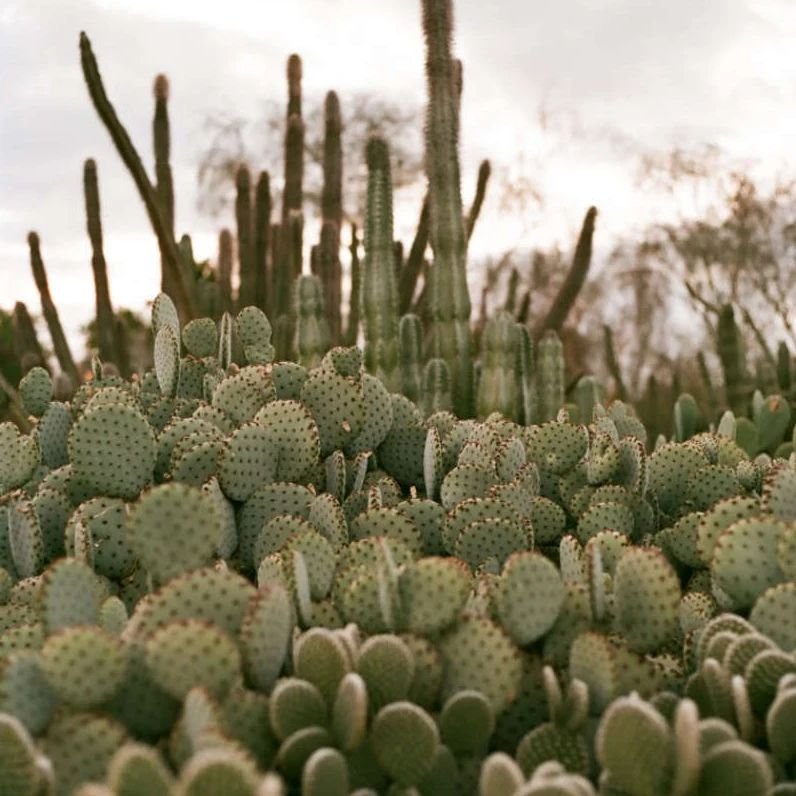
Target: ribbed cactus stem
{"x":171,"y":277}
{"x":484,"y":170}
{"x":510,"y":302}
{"x":612,"y":362}
{"x":27,"y":347}
{"x":60,"y":345}
{"x":413,"y":266}
{"x":161,"y":138}
{"x":550,"y":376}
{"x":107,"y":338}
{"x":225,"y":269}
{"x":379,"y":287}
{"x":329,"y":270}
{"x":576,"y":276}
{"x":289,"y":269}
{"x":732,"y":361}
{"x":243,"y":221}
{"x":262,"y":239}
{"x":332,"y":194}
{"x":784,"y":369}
{"x":447,"y":296}
{"x":352,"y":328}
{"x":437,"y":387}
{"x":294,"y":141}
{"x":497,"y":387}
{"x":524,"y":370}
{"x":312,"y":330}
{"x":410,"y":342}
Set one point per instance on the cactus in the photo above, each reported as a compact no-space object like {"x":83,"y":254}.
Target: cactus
{"x":246,"y":238}
{"x":448,"y":298}
{"x":379,"y":288}
{"x":172,"y":277}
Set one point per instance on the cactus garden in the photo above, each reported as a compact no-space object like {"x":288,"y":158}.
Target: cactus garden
{"x":341,"y":539}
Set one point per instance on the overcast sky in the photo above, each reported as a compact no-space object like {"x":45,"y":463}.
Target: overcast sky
{"x":640,"y":72}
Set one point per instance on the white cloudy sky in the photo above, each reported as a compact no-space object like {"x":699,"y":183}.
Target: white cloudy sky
{"x":658,"y":74}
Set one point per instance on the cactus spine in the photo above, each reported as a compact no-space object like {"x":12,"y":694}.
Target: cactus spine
{"x":448,"y":297}
{"x":379,"y":288}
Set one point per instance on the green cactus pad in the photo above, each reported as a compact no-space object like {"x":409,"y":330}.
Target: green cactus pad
{"x":217,"y":770}
{"x":670,"y":469}
{"x":647,"y":597}
{"x":112,"y":450}
{"x":254,"y":330}
{"x":52,"y":434}
{"x":557,"y":447}
{"x":36,"y":390}
{"x":320,"y":558}
{"x":718,"y":519}
{"x":630,"y":723}
{"x":478,"y":655}
{"x":744,"y":562}
{"x":325,"y":774}
{"x":19,"y":457}
{"x":289,"y":377}
{"x":378,"y":416}
{"x":605,"y":516}
{"x":337,"y":404}
{"x":215,"y":596}
{"x":773,"y":614}
{"x":466,"y":723}
{"x":25,"y":538}
{"x":265,"y":635}
{"x":84,"y":666}
{"x":200,"y":337}
{"x":387,"y":522}
{"x":137,"y":769}
{"x":500,"y":775}
{"x":680,"y":540}
{"x":80,"y":746}
{"x":294,"y":705}
{"x":350,"y":712}
{"x":21,"y":775}
{"x":247,"y":462}
{"x":24,"y":691}
{"x":292,"y":436}
{"x":186,"y":653}
{"x":433,"y":592}
{"x":548,"y":520}
{"x":550,"y":743}
{"x":241,"y":395}
{"x":298,"y":748}
{"x":264,"y":504}
{"x":387,"y":666}
{"x":167,"y":360}
{"x":405,"y":740}
{"x":71,"y":594}
{"x":319,"y":657}
{"x":736,"y":768}
{"x":786,"y":552}
{"x":174,"y":528}
{"x":711,"y":484}
{"x":528,"y":597}
{"x":780,"y":720}
{"x":465,"y":481}
{"x":327,"y":516}
{"x":492,"y":538}
{"x":780,"y":494}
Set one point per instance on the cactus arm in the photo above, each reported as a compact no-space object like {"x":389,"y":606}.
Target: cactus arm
{"x":484,"y":170}
{"x":125,"y":148}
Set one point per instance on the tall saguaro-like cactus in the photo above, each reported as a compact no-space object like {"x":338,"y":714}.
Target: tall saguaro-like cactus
{"x":379,"y":284}
{"x":447,"y":295}
{"x":60,"y":345}
{"x":124,"y":146}
{"x":108,"y":331}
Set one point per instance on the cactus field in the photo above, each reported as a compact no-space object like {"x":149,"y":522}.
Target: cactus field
{"x":370,"y":546}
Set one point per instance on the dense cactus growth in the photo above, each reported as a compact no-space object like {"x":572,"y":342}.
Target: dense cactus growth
{"x":277,"y":563}
{"x":269,"y":575}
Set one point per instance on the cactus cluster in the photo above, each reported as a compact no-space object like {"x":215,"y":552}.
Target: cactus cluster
{"x":275,"y":563}
{"x":239,"y":574}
